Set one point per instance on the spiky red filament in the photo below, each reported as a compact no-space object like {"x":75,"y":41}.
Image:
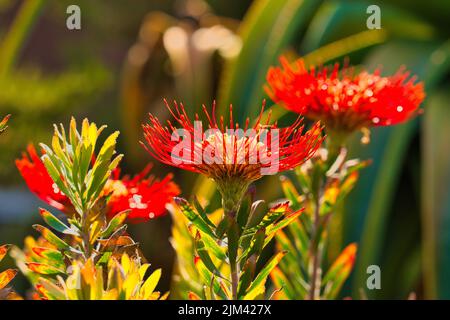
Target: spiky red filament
{"x":342,"y":99}
{"x":229,"y":152}
{"x":146,"y":196}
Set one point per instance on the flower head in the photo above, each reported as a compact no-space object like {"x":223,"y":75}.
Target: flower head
{"x":144,"y":195}
{"x":348,"y":101}
{"x":39,"y":181}
{"x":229,"y":152}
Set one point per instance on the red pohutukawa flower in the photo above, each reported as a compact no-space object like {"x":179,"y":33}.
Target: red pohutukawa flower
{"x":144,"y":195}
{"x":229,"y":153}
{"x":345,"y":101}
{"x":39,"y":181}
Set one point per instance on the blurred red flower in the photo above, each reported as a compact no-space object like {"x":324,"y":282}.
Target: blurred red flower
{"x":144,"y":195}
{"x":39,"y":181}
{"x":345,"y":101}
{"x":221,"y":153}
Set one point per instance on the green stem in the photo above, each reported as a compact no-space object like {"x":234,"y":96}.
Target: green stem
{"x":85,"y":238}
{"x":20,"y":30}
{"x":232,"y":192}
{"x":335,"y":141}
{"x":234,"y":281}
{"x":315,"y":251}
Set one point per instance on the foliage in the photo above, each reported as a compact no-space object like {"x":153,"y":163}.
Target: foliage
{"x":121,"y":280}
{"x":6,"y":277}
{"x":324,"y":187}
{"x":382,"y":204}
{"x":232,"y":248}
{"x":88,"y":242}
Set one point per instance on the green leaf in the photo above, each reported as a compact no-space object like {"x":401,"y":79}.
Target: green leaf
{"x":193,"y":217}
{"x":258,"y":285}
{"x":101,"y":169}
{"x":52,"y":221}
{"x":14,"y":40}
{"x":388,"y":149}
{"x":274,"y":228}
{"x":50,"y":290}
{"x":246,"y":277}
{"x":204,"y":255}
{"x":282,"y":283}
{"x":267,"y":29}
{"x":435,"y":200}
{"x":256,"y":246}
{"x":202,"y":212}
{"x":339,"y":272}
{"x":212,"y":246}
{"x":54,"y":257}
{"x":290,"y":192}
{"x":244,"y":211}
{"x":51,"y":237}
{"x":292,"y":256}
{"x":262,"y":219}
{"x":233,"y":243}
{"x":43,"y":269}
{"x":115,"y":223}
{"x":52,"y":165}
{"x":208,"y":278}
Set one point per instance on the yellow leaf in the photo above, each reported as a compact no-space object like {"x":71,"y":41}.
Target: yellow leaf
{"x":111,"y":295}
{"x":150,"y":284}
{"x":3,"y":250}
{"x":6,"y":277}
{"x":126,"y":263}
{"x":143,"y":270}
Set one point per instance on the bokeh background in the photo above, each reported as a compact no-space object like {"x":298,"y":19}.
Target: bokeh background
{"x":129,"y":55}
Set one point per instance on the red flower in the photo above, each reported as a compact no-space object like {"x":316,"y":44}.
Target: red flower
{"x":39,"y":181}
{"x":146,"y":196}
{"x":226,"y":155}
{"x":347,"y":101}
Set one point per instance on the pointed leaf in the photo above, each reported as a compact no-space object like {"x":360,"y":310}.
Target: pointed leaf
{"x":43,"y":269}
{"x":258,"y":285}
{"x":52,"y":221}
{"x":6,"y":277}
{"x":51,"y":237}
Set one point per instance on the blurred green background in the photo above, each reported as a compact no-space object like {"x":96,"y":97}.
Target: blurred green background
{"x":129,"y":55}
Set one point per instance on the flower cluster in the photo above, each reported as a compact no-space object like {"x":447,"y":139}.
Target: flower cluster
{"x":144,"y":195}
{"x":343,"y":100}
